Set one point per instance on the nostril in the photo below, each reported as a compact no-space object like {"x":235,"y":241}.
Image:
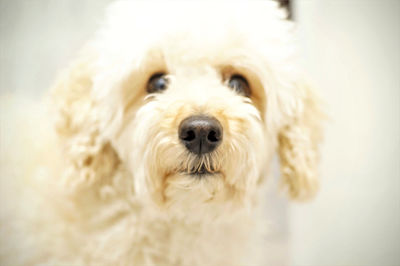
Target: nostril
{"x":190,"y":135}
{"x":212,"y":136}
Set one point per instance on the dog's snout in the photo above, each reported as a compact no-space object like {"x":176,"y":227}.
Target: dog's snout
{"x":200,"y":134}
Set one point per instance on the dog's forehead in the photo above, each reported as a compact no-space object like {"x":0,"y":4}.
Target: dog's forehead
{"x":194,"y":14}
{"x":142,"y":38}
{"x":192,"y":29}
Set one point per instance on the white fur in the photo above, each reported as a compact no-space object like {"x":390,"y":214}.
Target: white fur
{"x":107,"y":185}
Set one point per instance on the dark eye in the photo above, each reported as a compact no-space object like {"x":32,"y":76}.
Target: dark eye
{"x":239,"y":84}
{"x":157,"y":83}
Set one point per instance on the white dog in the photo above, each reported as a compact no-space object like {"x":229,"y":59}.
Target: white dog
{"x":164,"y":128}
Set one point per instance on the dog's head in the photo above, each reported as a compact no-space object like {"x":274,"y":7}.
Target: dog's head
{"x":191,"y":100}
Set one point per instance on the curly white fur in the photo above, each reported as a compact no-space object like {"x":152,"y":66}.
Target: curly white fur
{"x":109,"y":185}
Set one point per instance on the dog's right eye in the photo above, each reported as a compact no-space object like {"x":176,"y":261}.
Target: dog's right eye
{"x":157,"y":83}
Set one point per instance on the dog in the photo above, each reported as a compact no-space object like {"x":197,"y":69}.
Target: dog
{"x":155,"y":143}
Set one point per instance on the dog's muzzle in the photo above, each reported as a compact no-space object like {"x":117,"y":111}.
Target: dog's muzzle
{"x":200,"y":134}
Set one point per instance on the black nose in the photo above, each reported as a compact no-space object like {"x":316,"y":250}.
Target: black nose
{"x":200,"y":134}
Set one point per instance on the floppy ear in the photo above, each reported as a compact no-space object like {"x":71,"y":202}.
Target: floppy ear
{"x":298,"y":146}
{"x":88,"y":157}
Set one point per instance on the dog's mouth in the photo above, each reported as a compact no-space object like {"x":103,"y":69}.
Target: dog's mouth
{"x":199,"y":166}
{"x":201,"y":170}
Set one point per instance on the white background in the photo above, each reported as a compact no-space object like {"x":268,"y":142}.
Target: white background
{"x":352,"y":50}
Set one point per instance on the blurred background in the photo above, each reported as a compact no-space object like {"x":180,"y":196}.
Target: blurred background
{"x":350,"y":48}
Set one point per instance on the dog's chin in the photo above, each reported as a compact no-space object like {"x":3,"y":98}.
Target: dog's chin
{"x":190,"y":192}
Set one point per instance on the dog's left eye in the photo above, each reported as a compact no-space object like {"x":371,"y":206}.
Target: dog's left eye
{"x":157,"y":83}
{"x":239,"y":84}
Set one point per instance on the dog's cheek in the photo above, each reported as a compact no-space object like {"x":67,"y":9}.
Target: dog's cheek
{"x":149,"y":151}
{"x":246,"y":155}
{"x":132,"y":142}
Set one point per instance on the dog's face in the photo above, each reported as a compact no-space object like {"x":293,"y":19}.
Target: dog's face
{"x":195,"y":99}
{"x":195,"y":133}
